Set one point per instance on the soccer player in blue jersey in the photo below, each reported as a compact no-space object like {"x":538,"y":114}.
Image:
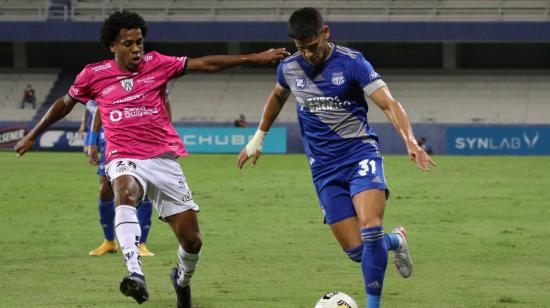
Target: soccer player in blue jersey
{"x":331,"y":85}
{"x":95,"y":141}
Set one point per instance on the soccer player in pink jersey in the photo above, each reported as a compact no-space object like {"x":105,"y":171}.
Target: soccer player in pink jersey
{"x":142,"y":144}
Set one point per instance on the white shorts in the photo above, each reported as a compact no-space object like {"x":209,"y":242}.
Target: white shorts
{"x":162,"y":181}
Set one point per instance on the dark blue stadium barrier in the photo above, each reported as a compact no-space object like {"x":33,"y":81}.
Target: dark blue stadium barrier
{"x":442,"y":138}
{"x":276,"y":31}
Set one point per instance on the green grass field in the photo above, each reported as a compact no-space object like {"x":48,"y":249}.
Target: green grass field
{"x":479,"y":232}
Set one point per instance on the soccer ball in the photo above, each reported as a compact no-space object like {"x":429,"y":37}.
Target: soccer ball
{"x":336,"y":299}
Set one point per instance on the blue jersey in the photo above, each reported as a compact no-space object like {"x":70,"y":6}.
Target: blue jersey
{"x":331,"y":105}
{"x":91,"y":107}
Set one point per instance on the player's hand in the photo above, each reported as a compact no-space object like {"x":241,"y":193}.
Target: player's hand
{"x":272,"y":55}
{"x":92,"y":155}
{"x":24,"y":145}
{"x":252,"y":149}
{"x":422,"y":160}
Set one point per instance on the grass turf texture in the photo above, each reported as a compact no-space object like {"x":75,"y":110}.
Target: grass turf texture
{"x":478,"y":227}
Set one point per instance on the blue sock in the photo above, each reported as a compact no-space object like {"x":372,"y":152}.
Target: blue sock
{"x":144,"y":211}
{"x":107,"y":218}
{"x":355,"y":253}
{"x":373,"y":301}
{"x":392,"y":241}
{"x":373,"y":263}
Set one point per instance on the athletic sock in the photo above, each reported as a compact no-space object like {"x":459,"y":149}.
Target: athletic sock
{"x":187,"y":265}
{"x":355,"y":253}
{"x":392,"y":241}
{"x":373,"y":263}
{"x":107,"y":218}
{"x":128,"y":234}
{"x":144,"y":211}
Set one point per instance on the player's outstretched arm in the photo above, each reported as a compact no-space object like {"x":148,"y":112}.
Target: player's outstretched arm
{"x":212,"y":64}
{"x":398,"y":117}
{"x":57,"y":111}
{"x":272,"y":108}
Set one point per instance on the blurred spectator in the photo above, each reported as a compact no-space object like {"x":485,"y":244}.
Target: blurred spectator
{"x":422,"y":142}
{"x":28,"y":97}
{"x":241,"y":121}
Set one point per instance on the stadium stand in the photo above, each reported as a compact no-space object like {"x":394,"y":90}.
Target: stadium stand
{"x":278,"y":10}
{"x":429,"y":98}
{"x":486,"y":98}
{"x":11,"y":93}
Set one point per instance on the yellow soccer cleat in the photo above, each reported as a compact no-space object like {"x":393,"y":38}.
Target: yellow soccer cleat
{"x":105,"y":247}
{"x":144,"y":252}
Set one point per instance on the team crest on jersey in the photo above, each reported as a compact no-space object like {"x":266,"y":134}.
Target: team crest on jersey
{"x":300,"y":83}
{"x":338,"y":79}
{"x":127,"y":84}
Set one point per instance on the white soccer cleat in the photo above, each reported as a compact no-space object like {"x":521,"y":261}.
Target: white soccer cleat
{"x":401,"y":258}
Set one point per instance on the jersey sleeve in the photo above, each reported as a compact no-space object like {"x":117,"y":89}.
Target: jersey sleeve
{"x":172,"y":66}
{"x":81,"y":89}
{"x":281,"y":77}
{"x":366,"y":76}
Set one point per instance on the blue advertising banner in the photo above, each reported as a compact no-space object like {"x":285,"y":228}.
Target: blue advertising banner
{"x":498,"y":140}
{"x":60,"y":139}
{"x":229,"y":140}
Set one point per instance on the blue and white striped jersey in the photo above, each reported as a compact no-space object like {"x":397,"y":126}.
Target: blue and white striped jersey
{"x":331,"y":105}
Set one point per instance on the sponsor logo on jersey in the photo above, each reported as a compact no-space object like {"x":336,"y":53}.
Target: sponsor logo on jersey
{"x":101,"y":67}
{"x":147,"y":58}
{"x":128,"y":98}
{"x":131,"y":112}
{"x":127,"y":84}
{"x":300,"y":83}
{"x":338,"y":79}
{"x":115,"y":115}
{"x":148,"y":79}
{"x":374,"y":75}
{"x":323,"y":103}
{"x":108,"y":90}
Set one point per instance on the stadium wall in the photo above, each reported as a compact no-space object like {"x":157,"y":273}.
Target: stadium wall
{"x":276,"y":31}
{"x":445,"y":139}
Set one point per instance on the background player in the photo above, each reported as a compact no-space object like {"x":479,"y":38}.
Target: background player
{"x":142,"y":144}
{"x":96,"y":141}
{"x":331,"y":85}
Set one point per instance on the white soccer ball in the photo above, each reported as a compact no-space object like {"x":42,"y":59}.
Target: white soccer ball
{"x":336,"y":299}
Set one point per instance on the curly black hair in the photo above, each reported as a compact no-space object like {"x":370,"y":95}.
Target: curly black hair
{"x":121,"y":20}
{"x":305,"y":23}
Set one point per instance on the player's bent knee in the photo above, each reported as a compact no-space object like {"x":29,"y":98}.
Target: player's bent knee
{"x":193,"y":244}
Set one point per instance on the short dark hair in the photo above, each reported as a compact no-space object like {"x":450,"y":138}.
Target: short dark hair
{"x":305,"y":23}
{"x":121,"y":20}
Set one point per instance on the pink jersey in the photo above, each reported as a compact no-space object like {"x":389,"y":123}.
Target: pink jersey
{"x":132,"y":105}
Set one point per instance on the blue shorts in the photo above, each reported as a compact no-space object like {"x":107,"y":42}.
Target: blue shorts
{"x":336,"y":186}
